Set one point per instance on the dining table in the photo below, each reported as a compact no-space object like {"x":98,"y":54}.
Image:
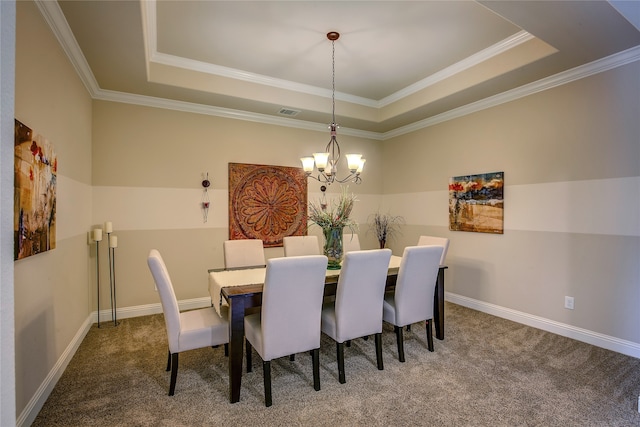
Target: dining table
{"x":235,"y":290}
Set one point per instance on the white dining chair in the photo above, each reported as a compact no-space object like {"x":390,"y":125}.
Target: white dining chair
{"x":357,"y":311}
{"x":350,"y":242}
{"x":412,"y":300}
{"x":243,"y":253}
{"x":185,"y":331}
{"x":435,"y":241}
{"x":289,"y":319}
{"x":300,"y":245}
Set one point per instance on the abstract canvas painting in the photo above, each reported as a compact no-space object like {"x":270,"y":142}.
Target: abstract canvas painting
{"x":34,"y":218}
{"x":267,"y":202}
{"x":476,"y":203}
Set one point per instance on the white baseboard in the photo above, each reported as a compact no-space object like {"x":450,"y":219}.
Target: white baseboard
{"x":37,"y":401}
{"x":30,"y":411}
{"x":600,"y":340}
{"x":148,"y":309}
{"x":34,"y":406}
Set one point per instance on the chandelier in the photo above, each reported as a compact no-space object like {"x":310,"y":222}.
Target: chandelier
{"x":327,"y":162}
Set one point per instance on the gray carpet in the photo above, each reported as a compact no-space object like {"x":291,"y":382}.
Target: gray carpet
{"x":487,"y":371}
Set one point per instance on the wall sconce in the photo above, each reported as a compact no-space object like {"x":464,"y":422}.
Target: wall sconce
{"x":205,"y":197}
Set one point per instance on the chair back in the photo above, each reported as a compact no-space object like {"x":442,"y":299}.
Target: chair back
{"x":300,"y":245}
{"x":291,"y":305}
{"x":435,"y":241}
{"x":167,"y":298}
{"x":360,"y":293}
{"x":243,"y":253}
{"x":416,"y":284}
{"x":350,"y":242}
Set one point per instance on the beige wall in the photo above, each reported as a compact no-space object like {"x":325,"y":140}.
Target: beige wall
{"x":571,"y":161}
{"x":52,"y":294}
{"x":570,"y":156}
{"x":138,"y":146}
{"x":148,"y":164}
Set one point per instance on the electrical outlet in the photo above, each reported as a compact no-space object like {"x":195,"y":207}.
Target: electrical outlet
{"x":568,"y":303}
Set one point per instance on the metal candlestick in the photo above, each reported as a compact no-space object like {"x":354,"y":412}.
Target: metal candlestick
{"x":98,"y":276}
{"x":112,"y":283}
{"x":112,"y":279}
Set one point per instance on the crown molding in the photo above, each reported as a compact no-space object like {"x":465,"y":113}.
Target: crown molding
{"x":189,"y":107}
{"x":150,"y":31}
{"x":218,"y":70}
{"x":54,"y":17}
{"x":232,"y":73}
{"x":458,"y":67}
{"x":149,"y":36}
{"x":610,"y":62}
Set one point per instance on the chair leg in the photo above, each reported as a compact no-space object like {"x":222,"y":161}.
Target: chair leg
{"x":292,"y":357}
{"x":226,"y":350}
{"x":174,"y":373}
{"x":400,"y":340}
{"x":248,"y":355}
{"x":366,"y":337}
{"x":340,"y":358}
{"x":316,"y":369}
{"x":348,"y":342}
{"x":429,"y":335}
{"x":379,"y":351}
{"x":408,"y":328}
{"x":266,"y":368}
{"x":169,"y":362}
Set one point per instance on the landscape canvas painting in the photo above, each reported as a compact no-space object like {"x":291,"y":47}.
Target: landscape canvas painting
{"x":476,"y":203}
{"x":35,"y":176}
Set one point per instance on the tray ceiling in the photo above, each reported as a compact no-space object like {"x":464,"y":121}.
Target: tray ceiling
{"x":397,"y":63}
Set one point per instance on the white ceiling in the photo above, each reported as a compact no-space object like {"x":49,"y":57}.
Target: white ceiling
{"x":397,"y":63}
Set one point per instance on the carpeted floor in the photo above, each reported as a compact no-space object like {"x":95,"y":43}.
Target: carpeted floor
{"x":487,"y":372}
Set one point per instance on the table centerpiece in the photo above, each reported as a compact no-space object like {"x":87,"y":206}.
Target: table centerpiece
{"x":332,"y":218}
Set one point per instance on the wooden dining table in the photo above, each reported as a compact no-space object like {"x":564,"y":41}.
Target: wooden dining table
{"x":241,"y":289}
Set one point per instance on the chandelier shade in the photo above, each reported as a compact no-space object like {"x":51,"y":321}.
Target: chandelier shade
{"x":326,"y":163}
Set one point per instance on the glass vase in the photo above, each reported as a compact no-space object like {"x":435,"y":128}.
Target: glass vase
{"x":333,"y":246}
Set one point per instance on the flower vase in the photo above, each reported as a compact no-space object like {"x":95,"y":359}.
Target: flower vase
{"x":333,"y":246}
{"x":382,"y":243}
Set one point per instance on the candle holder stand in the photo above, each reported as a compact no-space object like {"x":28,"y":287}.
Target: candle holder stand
{"x":111,"y":246}
{"x":98,"y":276}
{"x":112,"y":280}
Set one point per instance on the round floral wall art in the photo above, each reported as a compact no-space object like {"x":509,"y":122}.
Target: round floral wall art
{"x":266,"y":202}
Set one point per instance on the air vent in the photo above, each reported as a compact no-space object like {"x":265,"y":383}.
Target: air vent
{"x":288,"y":112}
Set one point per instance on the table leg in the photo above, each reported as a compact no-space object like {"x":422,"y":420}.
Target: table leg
{"x":236,"y":341}
{"x":438,"y":305}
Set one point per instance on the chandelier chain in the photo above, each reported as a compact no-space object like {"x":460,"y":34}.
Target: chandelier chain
{"x":333,"y":82}
{"x":327,"y":162}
